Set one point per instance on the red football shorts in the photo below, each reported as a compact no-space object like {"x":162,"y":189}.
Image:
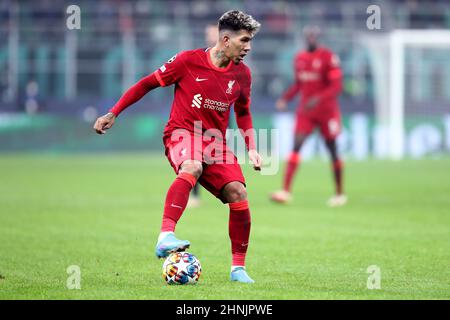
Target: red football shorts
{"x":220,"y":165}
{"x":330,"y":125}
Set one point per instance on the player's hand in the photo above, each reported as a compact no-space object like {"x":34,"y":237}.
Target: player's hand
{"x":256,"y":159}
{"x":104,"y":123}
{"x":281,"y":105}
{"x":312,"y":102}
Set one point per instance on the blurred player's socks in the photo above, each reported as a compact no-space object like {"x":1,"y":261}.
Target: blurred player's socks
{"x":239,"y":231}
{"x":338,"y":166}
{"x":176,"y":200}
{"x":291,"y":168}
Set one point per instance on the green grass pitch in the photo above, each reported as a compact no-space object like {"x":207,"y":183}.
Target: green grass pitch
{"x":103,"y":213}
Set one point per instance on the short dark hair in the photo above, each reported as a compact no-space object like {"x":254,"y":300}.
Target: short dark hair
{"x":236,"y":20}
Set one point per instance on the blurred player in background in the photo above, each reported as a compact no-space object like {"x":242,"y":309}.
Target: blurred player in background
{"x":318,"y":77}
{"x":208,"y":82}
{"x":211,"y":36}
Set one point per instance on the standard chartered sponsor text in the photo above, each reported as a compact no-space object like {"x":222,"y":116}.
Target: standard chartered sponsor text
{"x":216,"y":105}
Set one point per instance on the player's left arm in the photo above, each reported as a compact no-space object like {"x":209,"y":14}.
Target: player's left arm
{"x":334,"y":77}
{"x":333,"y":74}
{"x":245,"y":123}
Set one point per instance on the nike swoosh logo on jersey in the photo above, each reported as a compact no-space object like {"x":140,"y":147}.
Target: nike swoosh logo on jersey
{"x":175,"y":206}
{"x":199,"y":79}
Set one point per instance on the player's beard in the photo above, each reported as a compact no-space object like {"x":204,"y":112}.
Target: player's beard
{"x":312,"y":47}
{"x":239,"y":59}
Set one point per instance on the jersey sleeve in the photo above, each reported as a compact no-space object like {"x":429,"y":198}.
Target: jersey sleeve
{"x":292,"y":91}
{"x":334,"y":77}
{"x":246,"y":88}
{"x":135,"y":93}
{"x":172,"y":71}
{"x":333,"y":67}
{"x":242,"y":111}
{"x":295,"y":88}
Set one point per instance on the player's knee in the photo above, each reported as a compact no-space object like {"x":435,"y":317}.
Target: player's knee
{"x":193,"y":167}
{"x":235,"y":191}
{"x":298,"y":142}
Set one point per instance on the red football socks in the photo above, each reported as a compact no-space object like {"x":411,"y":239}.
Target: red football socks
{"x":239,"y":231}
{"x":291,"y":168}
{"x":176,"y":200}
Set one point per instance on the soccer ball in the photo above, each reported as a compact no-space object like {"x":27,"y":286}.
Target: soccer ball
{"x":181,"y":268}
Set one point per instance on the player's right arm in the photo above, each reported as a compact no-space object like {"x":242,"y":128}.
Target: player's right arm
{"x":132,"y":95}
{"x":168,"y":74}
{"x":291,"y":92}
{"x":244,"y":120}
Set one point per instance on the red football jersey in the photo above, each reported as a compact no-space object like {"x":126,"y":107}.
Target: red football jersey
{"x":317,"y":73}
{"x":203,"y":92}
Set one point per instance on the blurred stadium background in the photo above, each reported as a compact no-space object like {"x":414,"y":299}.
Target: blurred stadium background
{"x":55,"y":81}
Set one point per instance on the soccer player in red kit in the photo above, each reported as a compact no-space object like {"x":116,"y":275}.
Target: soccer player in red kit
{"x":211,"y":35}
{"x":207,"y":83}
{"x":318,"y":78}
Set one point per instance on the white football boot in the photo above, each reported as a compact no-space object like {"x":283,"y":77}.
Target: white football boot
{"x":337,"y":200}
{"x":281,"y":196}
